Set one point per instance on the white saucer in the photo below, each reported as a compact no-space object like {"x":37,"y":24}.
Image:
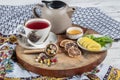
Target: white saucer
{"x":22,"y":41}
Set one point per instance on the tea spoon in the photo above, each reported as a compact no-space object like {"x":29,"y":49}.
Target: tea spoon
{"x":50,"y":50}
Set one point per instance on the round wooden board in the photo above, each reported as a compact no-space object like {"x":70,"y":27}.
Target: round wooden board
{"x":65,"y":66}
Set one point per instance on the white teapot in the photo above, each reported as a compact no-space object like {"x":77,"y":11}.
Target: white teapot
{"x":57,"y":12}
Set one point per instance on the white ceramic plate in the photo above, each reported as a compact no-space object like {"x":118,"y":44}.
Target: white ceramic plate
{"x":107,"y":46}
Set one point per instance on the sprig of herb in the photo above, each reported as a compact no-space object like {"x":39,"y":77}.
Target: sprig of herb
{"x":101,"y":40}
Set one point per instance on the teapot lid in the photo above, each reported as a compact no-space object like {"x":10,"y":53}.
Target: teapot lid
{"x":54,"y":4}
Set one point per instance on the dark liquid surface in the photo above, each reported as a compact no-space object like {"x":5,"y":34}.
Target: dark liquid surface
{"x":37,"y":25}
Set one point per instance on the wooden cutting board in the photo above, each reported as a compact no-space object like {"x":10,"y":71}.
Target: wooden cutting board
{"x":66,"y":66}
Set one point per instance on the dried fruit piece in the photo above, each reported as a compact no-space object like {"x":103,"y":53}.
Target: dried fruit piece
{"x":13,"y":39}
{"x":51,"y":50}
{"x":2,"y":40}
{"x":63,"y":42}
{"x":74,"y":51}
{"x":70,"y":44}
{"x":44,"y":59}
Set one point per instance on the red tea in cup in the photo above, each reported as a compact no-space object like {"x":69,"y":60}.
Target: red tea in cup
{"x":36,"y":30}
{"x":37,"y":25}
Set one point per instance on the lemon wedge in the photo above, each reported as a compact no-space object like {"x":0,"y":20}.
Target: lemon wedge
{"x":90,"y":44}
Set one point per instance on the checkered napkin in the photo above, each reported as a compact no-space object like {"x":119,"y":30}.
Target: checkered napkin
{"x":11,"y":16}
{"x":90,"y":17}
{"x":94,"y":18}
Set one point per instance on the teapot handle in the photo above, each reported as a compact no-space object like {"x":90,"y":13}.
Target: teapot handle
{"x":35,"y":13}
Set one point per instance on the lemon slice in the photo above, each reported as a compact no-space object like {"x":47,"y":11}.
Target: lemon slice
{"x":81,"y":41}
{"x":90,"y":44}
{"x":94,"y":47}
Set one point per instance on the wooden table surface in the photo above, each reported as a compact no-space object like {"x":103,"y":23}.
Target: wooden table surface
{"x":66,"y":66}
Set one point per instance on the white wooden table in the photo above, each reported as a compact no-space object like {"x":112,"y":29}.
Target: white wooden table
{"x":110,"y":7}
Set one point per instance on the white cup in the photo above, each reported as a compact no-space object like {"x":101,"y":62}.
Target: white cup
{"x":35,"y":30}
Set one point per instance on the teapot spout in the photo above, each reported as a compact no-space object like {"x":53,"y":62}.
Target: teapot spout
{"x":70,"y":11}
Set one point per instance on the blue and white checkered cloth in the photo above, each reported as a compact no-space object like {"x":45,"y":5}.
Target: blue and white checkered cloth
{"x":11,"y":16}
{"x":91,"y":17}
{"x":94,"y":18}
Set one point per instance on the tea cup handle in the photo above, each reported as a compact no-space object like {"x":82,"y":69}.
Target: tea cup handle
{"x":37,"y":7}
{"x":21,"y":30}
